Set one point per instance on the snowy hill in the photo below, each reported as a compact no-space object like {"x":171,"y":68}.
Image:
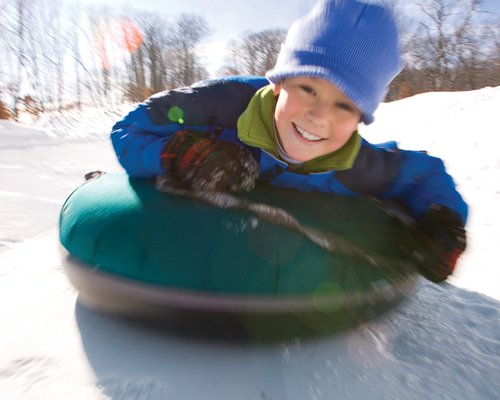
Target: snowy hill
{"x":444,"y":343}
{"x":462,"y":129}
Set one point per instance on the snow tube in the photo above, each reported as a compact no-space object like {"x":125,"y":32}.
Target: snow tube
{"x":132,"y":250}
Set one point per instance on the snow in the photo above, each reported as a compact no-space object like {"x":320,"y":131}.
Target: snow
{"x":443,"y":343}
{"x":461,"y":128}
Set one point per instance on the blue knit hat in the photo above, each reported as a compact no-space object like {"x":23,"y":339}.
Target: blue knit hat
{"x":352,"y":44}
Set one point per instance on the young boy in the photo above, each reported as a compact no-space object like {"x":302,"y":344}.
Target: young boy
{"x":300,"y":131}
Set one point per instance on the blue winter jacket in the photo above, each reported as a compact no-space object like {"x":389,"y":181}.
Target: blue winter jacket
{"x":412,"y":178}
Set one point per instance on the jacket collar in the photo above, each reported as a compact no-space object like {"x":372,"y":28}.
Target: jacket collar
{"x":256,"y":129}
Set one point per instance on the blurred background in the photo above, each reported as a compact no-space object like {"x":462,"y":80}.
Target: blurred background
{"x":58,"y":55}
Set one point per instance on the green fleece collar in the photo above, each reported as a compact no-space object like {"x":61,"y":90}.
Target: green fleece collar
{"x":256,"y":129}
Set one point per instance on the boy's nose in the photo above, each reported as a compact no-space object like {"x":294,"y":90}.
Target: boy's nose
{"x":320,"y":114}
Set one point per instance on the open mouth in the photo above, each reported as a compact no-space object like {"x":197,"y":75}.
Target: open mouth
{"x":307,"y":135}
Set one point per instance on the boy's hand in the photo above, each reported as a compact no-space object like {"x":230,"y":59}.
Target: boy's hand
{"x":199,"y":163}
{"x":447,"y":234}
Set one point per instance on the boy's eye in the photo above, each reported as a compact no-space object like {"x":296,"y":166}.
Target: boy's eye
{"x":307,"y":89}
{"x":345,"y":106}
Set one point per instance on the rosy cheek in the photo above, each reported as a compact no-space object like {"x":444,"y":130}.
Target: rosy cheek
{"x":279,"y":117}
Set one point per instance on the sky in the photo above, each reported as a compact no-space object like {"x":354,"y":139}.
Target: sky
{"x":442,"y":343}
{"x":228,"y":19}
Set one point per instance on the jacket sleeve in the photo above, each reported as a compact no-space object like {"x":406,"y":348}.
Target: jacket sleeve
{"x":138,"y":142}
{"x":423,"y":181}
{"x":138,"y":139}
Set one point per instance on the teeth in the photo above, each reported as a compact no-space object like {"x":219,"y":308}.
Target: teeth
{"x":307,"y":135}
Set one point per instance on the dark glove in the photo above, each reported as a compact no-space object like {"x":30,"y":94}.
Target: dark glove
{"x":446,"y":231}
{"x":198,"y":162}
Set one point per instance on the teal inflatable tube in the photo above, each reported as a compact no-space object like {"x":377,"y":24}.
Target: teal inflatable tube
{"x":134,"y":251}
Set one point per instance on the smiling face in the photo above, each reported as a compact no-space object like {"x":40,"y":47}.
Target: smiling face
{"x":313,"y":117}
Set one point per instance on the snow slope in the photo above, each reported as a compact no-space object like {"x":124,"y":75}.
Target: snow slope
{"x":463,"y":129}
{"x":444,"y":343}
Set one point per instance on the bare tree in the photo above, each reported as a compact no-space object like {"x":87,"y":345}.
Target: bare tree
{"x":449,"y":46}
{"x":166,"y":55}
{"x":18,"y":47}
{"x":444,"y":35}
{"x":34,"y":42}
{"x":255,"y":53}
{"x":74,"y":38}
{"x":133,"y":39}
{"x":146,"y":40}
{"x":495,"y":62}
{"x":58,"y":46}
{"x":155,"y":42}
{"x":188,"y":31}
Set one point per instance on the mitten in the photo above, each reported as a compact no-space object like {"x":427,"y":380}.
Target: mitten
{"x":199,"y":162}
{"x":184,"y":151}
{"x":446,"y":232}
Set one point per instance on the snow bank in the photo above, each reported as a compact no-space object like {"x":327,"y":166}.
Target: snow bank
{"x":463,"y":129}
{"x":88,"y":124}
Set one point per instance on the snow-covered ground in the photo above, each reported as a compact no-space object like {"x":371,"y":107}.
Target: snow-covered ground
{"x":444,"y":343}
